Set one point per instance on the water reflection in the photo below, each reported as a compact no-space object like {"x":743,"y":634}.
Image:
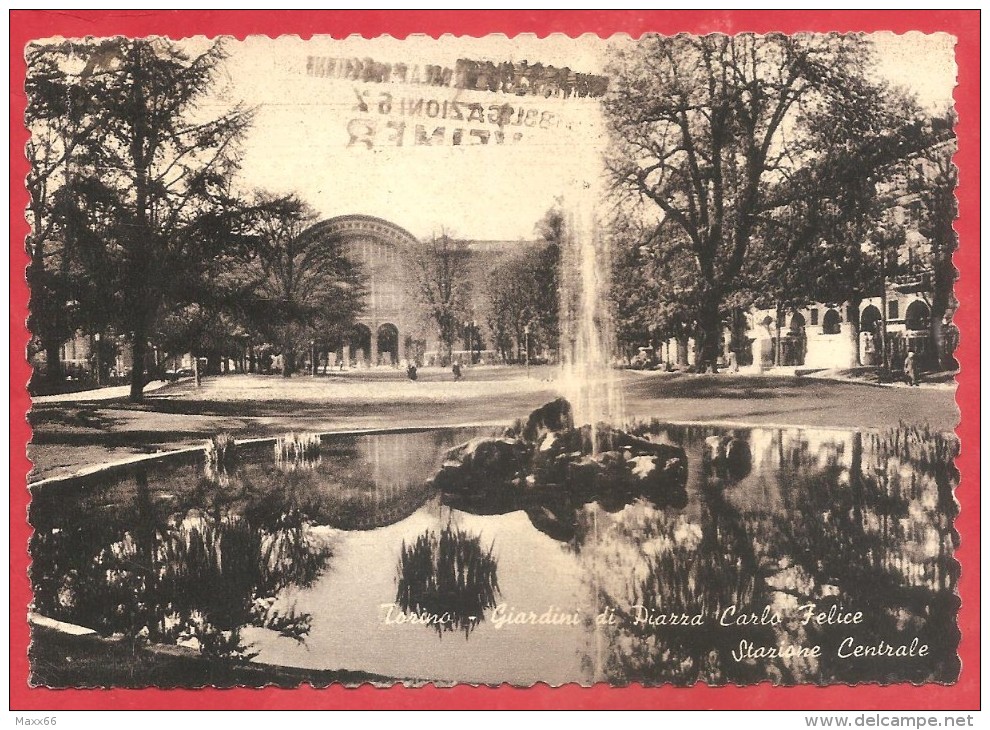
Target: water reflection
{"x":830,"y":524}
{"x":208,"y":548}
{"x":770,"y":523}
{"x":668,"y":575}
{"x":450,"y":579}
{"x":361,"y":482}
{"x":195,"y":576}
{"x":556,"y":510}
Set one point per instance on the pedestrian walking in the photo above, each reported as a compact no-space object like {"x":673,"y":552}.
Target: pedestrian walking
{"x":911,"y":369}
{"x":457,"y":371}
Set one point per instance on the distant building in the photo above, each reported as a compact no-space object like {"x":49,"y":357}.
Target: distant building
{"x":394,"y":327}
{"x":842,"y":335}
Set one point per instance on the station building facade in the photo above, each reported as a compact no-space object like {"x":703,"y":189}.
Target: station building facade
{"x":394,"y":327}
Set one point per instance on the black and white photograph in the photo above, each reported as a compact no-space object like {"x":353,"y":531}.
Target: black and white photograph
{"x":493,"y":360}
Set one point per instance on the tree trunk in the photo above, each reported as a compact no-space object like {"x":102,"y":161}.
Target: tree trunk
{"x":288,"y":363}
{"x":738,"y":331}
{"x":942,"y":357}
{"x":778,"y":349}
{"x":711,"y":336}
{"x":852,"y":311}
{"x":943,"y":280}
{"x":138,"y":349}
{"x":53,"y":361}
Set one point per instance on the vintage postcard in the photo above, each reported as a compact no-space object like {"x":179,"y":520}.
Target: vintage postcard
{"x":480,"y":360}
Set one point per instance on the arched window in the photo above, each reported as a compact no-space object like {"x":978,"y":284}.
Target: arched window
{"x":831,"y":323}
{"x":918,"y":316}
{"x":797,"y":324}
{"x":388,"y":343}
{"x":870,"y":319}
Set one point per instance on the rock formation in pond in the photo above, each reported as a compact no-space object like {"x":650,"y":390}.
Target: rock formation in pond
{"x":547,"y":467}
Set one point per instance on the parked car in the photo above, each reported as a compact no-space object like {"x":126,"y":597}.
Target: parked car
{"x":173,"y":374}
{"x":645,"y":359}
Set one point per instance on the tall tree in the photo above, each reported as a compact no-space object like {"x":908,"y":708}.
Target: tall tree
{"x":546,"y":262}
{"x":159,"y":170}
{"x":524,"y":293}
{"x":644,"y":291}
{"x":939,"y":210}
{"x":303,"y":287}
{"x":511,"y":299}
{"x":61,"y":114}
{"x":440,"y":278}
{"x":705,"y":126}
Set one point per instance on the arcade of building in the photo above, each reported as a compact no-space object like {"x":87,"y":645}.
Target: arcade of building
{"x":382,"y":332}
{"x":393,"y":329}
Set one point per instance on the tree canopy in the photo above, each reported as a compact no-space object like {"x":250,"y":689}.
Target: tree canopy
{"x":766,"y":161}
{"x":524,"y":293}
{"x":300,"y":287}
{"x":439,"y":277}
{"x":147,"y":174}
{"x":707,"y":129}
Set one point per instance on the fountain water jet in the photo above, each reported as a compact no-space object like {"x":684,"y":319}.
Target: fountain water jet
{"x":587,"y":342}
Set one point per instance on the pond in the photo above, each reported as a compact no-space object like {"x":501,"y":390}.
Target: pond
{"x":822,"y":556}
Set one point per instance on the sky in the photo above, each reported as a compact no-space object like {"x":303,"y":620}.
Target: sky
{"x":311,"y":136}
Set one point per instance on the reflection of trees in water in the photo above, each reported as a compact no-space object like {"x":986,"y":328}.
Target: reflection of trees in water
{"x":864,"y":522}
{"x":672,"y":565}
{"x":877,"y":536}
{"x":205,"y":550}
{"x":449,"y":575}
{"x":173,"y":573}
{"x":824,"y":517}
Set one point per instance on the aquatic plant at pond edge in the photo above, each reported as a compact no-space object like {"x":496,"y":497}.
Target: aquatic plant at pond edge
{"x":298,"y":450}
{"x":221,"y":457}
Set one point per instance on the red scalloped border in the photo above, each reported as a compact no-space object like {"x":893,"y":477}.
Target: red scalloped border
{"x":964,"y":24}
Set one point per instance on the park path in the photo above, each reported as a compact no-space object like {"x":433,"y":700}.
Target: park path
{"x":115,"y":392}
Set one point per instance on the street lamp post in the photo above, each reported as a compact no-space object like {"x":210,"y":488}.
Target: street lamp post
{"x":99,"y":363}
{"x":473,"y":341}
{"x":526,"y":333}
{"x":467,"y":326}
